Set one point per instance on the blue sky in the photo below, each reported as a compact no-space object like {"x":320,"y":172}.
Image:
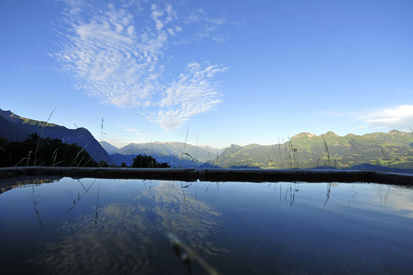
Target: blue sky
{"x":232,"y":72}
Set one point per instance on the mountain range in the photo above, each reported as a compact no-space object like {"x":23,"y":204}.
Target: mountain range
{"x":16,"y":128}
{"x":176,"y":154}
{"x":305,"y":150}
{"x":393,"y":149}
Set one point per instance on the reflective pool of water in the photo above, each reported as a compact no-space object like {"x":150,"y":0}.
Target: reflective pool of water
{"x":112,"y":226}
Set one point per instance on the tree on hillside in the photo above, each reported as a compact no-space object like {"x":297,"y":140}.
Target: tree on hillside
{"x":43,"y":152}
{"x":143,"y":161}
{"x":103,"y":163}
{"x":4,"y":157}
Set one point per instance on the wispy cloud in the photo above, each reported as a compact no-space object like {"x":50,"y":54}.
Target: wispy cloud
{"x":393,"y":117}
{"x":191,"y":94}
{"x":208,"y":27}
{"x":116,"y":52}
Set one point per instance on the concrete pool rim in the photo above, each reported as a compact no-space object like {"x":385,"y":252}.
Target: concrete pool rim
{"x":215,"y":175}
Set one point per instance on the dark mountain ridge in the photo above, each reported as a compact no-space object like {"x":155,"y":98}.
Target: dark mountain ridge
{"x":17,"y":128}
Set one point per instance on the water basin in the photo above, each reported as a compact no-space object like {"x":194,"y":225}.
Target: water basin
{"x":114,"y":226}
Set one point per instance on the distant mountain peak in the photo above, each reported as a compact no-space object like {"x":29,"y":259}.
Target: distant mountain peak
{"x":311,"y":135}
{"x":331,"y":134}
{"x":304,"y":134}
{"x":235,"y":146}
{"x":396,"y":132}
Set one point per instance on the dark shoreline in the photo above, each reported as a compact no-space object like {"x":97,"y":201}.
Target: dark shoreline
{"x":216,"y":175}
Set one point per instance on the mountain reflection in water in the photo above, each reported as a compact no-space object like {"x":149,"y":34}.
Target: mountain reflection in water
{"x":102,"y":226}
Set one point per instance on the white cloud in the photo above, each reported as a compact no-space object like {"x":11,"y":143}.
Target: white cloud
{"x":156,"y":15}
{"x":394,"y":117}
{"x":114,"y":56}
{"x":171,"y":31}
{"x":191,"y":94}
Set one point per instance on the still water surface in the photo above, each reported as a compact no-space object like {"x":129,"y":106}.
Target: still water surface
{"x":107,"y":226}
